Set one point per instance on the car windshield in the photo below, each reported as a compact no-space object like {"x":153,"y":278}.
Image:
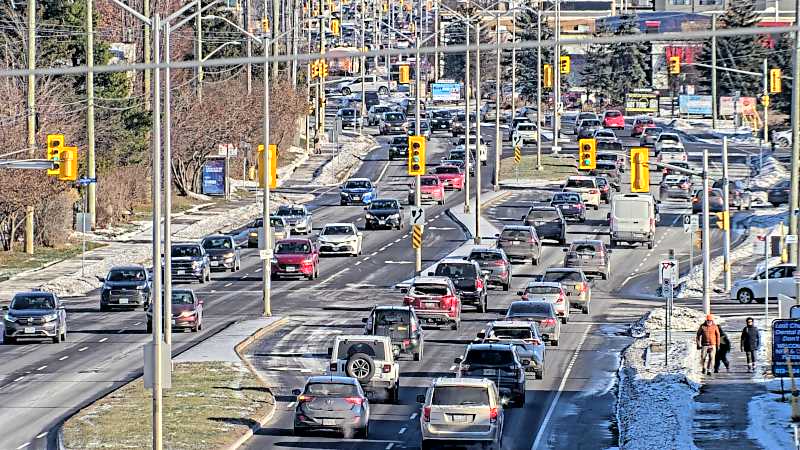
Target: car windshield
{"x":456,"y":154}
{"x":217,"y":243}
{"x":441,"y":115}
{"x":526,"y":127}
{"x":347,"y":112}
{"x":182,"y":298}
{"x":33,"y":302}
{"x":601,"y":182}
{"x":485,"y":256}
{"x":606,"y":166}
{"x":384,"y":204}
{"x":380,"y":109}
{"x":429,"y":289}
{"x":126,"y":275}
{"x":524,"y":308}
{"x":668,"y":138}
{"x":372,"y":348}
{"x":562,"y":276}
{"x":653,"y":131}
{"x":489,"y":357}
{"x":332,"y":390}
{"x":337,"y":230}
{"x":566,"y":198}
{"x":394,"y":117}
{"x":287,"y":211}
{"x":456,"y":270}
{"x":515,"y":234}
{"x":446,"y":170}
{"x":543,"y":290}
{"x":429,"y":181}
{"x":358,"y":184}
{"x":590,"y":123}
{"x":580,"y":183}
{"x":460,"y":395}
{"x":286,"y":248}
{"x":511,"y":333}
{"x":583,"y":248}
{"x":613,"y":114}
{"x":183,"y":251}
{"x":646,"y":121}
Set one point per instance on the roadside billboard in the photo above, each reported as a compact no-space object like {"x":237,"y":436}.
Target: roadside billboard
{"x":745,"y":106}
{"x":214,"y":176}
{"x":785,"y":347}
{"x":695,"y":104}
{"x":638,"y":102}
{"x":446,"y":92}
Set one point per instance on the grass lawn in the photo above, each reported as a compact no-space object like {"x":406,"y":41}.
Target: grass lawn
{"x":209,"y":406}
{"x":556,"y":169}
{"x":18,"y":261}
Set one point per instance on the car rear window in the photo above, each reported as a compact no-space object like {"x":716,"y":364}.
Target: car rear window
{"x":217,"y":243}
{"x":511,"y":333}
{"x":391,"y":317}
{"x":348,"y":349}
{"x":384,"y":204}
{"x":580,"y":183}
{"x":543,"y":215}
{"x":445,"y":170}
{"x":584,"y":248}
{"x":562,"y":276}
{"x":288,"y":248}
{"x":456,"y":270}
{"x":460,"y":395}
{"x":613,"y":114}
{"x":541,"y":290}
{"x":393,"y":116}
{"x":489,"y":357}
{"x":331,"y":389}
{"x":429,"y":289}
{"x":182,"y":298}
{"x":631,"y":209}
{"x":566,"y":198}
{"x":515,"y":234}
{"x":528,"y":308}
{"x":441,"y":114}
{"x":358,"y":184}
{"x":126,"y":275}
{"x":601,"y":165}
{"x":429,"y":181}
{"x":485,"y":256}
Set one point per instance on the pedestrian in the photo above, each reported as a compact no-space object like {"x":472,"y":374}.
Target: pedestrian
{"x":722,"y":353}
{"x":749,"y":343}
{"x":708,"y":343}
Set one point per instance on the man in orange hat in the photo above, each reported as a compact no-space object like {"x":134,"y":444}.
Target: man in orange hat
{"x":708,"y":343}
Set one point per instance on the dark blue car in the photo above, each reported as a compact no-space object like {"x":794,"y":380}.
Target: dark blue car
{"x":358,"y":191}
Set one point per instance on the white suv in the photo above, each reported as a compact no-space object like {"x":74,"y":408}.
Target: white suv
{"x":368,"y":359}
{"x":587,"y":187}
{"x":461,"y":410}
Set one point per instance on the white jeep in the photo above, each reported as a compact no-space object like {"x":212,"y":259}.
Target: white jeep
{"x":370,"y":360}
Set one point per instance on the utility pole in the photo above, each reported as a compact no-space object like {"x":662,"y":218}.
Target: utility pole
{"x":557,"y":80}
{"x":498,"y":141}
{"x":31,"y":114}
{"x":146,"y":53}
{"x":513,"y":64}
{"x":158,"y":322}
{"x":726,"y":232}
{"x":713,"y":71}
{"x":478,"y":163}
{"x":436,"y":54}
{"x":266,"y":256}
{"x":417,"y":119}
{"x":295,"y":37}
{"x":706,"y":240}
{"x":467,"y":131}
{"x":361,"y":63}
{"x":247,"y":7}
{"x":91,"y":189}
{"x":273,"y":28}
{"x":539,"y":120}
{"x":167,"y":138}
{"x":765,"y":80}
{"x":199,"y":52}
{"x":321,"y":79}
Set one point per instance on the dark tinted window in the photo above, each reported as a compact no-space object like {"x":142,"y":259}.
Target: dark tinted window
{"x":217,"y":243}
{"x":182,"y":298}
{"x":460,"y":395}
{"x":445,"y":170}
{"x":562,"y":276}
{"x":126,"y":275}
{"x":179,"y":251}
{"x":511,"y":333}
{"x":542,"y":290}
{"x":348,"y":349}
{"x":489,"y":357}
{"x":358,"y":184}
{"x":485,"y":256}
{"x":332,"y":390}
{"x":285,"y":248}
{"x":429,"y":181}
{"x":385,"y":317}
{"x":337,"y":230}
{"x":394,"y":117}
{"x":453,"y":270}
{"x":528,"y":308}
{"x":384,"y":204}
{"x":566,"y":198}
{"x":584,"y":248}
{"x":33,"y":302}
{"x":580,"y":183}
{"x":429,"y":289}
{"x":441,"y":114}
{"x":606,"y":166}
{"x":515,"y":234}
{"x":543,"y":215}
{"x":287,"y":211}
{"x":613,"y":114}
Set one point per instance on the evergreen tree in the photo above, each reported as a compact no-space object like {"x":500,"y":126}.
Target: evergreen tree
{"x":598,"y":70}
{"x":632,"y":58}
{"x":454,"y":63}
{"x":527,"y":59}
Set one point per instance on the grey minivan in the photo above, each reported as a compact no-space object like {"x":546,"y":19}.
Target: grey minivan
{"x":520,"y":242}
{"x":589,"y":255}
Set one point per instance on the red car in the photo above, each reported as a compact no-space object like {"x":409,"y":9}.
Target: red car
{"x":295,"y":258}
{"x":613,"y":119}
{"x":640,"y":123}
{"x":435,"y":300}
{"x":431,"y":189}
{"x":451,"y":176}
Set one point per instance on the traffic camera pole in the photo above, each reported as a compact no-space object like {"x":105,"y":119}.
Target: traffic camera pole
{"x":498,"y":142}
{"x":477,"y":236}
{"x":468,"y":88}
{"x":417,"y":192}
{"x":266,"y":256}
{"x":726,"y":232}
{"x":706,"y":240}
{"x":156,"y":295}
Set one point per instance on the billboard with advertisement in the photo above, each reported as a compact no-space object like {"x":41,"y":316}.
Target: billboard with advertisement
{"x":640,"y":102}
{"x":695,"y":104}
{"x":446,"y":92}
{"x":214,"y":176}
{"x":745,"y":106}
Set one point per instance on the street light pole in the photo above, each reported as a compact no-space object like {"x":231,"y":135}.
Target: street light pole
{"x":539,"y":91}
{"x":417,"y":119}
{"x":714,"y":71}
{"x":498,"y":142}
{"x":478,"y":162}
{"x":557,"y":80}
{"x":706,"y":240}
{"x":31,"y":114}
{"x":513,"y":65}
{"x":468,"y":88}
{"x":795,"y":141}
{"x":266,"y":256}
{"x":362,"y":62}
{"x":91,"y":191}
{"x":156,"y":295}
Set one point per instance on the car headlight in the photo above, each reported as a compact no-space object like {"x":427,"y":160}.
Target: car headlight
{"x":228,"y":255}
{"x":187,"y":314}
{"x":344,"y":194}
{"x":50,"y":317}
{"x":140,"y":288}
{"x":253,"y":234}
{"x":370,"y":216}
{"x":195,"y":264}
{"x":9,"y":318}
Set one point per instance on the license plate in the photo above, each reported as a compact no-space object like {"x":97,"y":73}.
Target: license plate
{"x":329,"y":422}
{"x":123,"y":301}
{"x":181,"y":272}
{"x":514,"y":242}
{"x":459,"y":417}
{"x":290,"y":268}
{"x":214,"y":263}
{"x":29,"y":330}
{"x":382,"y":222}
{"x":430,"y":305}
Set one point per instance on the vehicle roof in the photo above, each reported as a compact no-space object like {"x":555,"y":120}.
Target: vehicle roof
{"x":543,"y":207}
{"x":529,"y":302}
{"x":331,"y":379}
{"x":218,"y":235}
{"x":340,"y":224}
{"x":454,"y":260}
{"x":359,"y":179}
{"x":674,"y":177}
{"x":362,"y":337}
{"x":517,"y":227}
{"x":185,"y":243}
{"x":36,"y":294}
{"x":471,"y":382}
{"x":494,"y":346}
{"x":486,"y":250}
{"x":431,"y":280}
{"x":291,"y":239}
{"x":580,"y":177}
{"x":544,"y":284}
{"x":127,"y":267}
{"x":392,"y":308}
{"x":510,"y":324}
{"x":292,"y":206}
{"x":587,"y":241}
{"x":563,"y":269}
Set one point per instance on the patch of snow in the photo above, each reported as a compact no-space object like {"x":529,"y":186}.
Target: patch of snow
{"x":347,"y":161}
{"x":771,"y":173}
{"x":683,"y":319}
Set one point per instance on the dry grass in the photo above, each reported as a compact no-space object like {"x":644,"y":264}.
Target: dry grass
{"x":556,"y":169}
{"x":19,"y":261}
{"x":209,"y":406}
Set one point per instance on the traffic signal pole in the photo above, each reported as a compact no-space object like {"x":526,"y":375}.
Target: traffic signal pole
{"x":477,"y":236}
{"x":91,"y":189}
{"x":539,"y":90}
{"x":468,"y":88}
{"x":31,"y":114}
{"x":726,"y":232}
{"x":557,"y":80}
{"x":417,"y":119}
{"x":156,"y":296}
{"x":266,"y":255}
{"x":706,"y":240}
{"x":498,"y":141}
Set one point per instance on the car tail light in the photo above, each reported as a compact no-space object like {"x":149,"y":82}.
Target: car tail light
{"x":304,"y":398}
{"x":492,"y":415}
{"x":307,"y":262}
{"x":533,"y":341}
{"x":387,"y":368}
{"x":354,"y":400}
{"x":408,"y":300}
{"x":333,"y":367}
{"x":560,"y":298}
{"x":478,"y":284}
{"x":583,"y":287}
{"x":579,"y":206}
{"x":448,"y":301}
{"x":498,"y":262}
{"x":652,"y":222}
{"x":406,"y":342}
{"x":684,"y":185}
{"x":426,"y":414}
{"x":549,"y":322}
{"x":594,"y":191}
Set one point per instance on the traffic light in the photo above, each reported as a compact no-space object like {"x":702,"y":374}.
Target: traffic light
{"x":68,"y":164}
{"x":323,"y":68}
{"x":265,"y":24}
{"x":273,"y":166}
{"x":774,"y":81}
{"x":55,"y":142}
{"x":587,"y":154}
{"x":416,"y":155}
{"x":563,"y":64}
{"x":640,"y":169}
{"x":335,"y":27}
{"x":723,"y":220}
{"x":547,"y":76}
{"x":674,"y":65}
{"x":405,"y":74}
{"x":315,"y":69}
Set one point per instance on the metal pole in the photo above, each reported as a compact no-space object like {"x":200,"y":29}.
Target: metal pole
{"x":168,"y":189}
{"x":513,"y":66}
{"x":498,"y":142}
{"x":417,"y":119}
{"x":726,"y":233}
{"x":321,"y":79}
{"x":83,"y":237}
{"x":199,"y":44}
{"x":362,"y":63}
{"x":766,"y":109}
{"x":766,"y":284}
{"x":714,"y":100}
{"x":706,"y":240}
{"x":273,"y":27}
{"x":557,"y":80}
{"x":539,"y":121}
{"x":90,"y":162}
{"x":295,"y":37}
{"x":478,"y":163}
{"x":31,"y":114}
{"x":156,"y":296}
{"x":266,"y":259}
{"x":467,"y":130}
{"x":249,"y":48}
{"x":795,"y":140}
{"x":146,"y":45}
{"x":436,"y":62}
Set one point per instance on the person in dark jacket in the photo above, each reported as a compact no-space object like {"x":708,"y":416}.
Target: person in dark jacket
{"x":722,"y":354}
{"x":749,"y":343}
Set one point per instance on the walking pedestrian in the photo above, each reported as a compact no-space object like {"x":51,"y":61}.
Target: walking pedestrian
{"x":708,"y":343}
{"x":749,"y":343}
{"x":722,"y":353}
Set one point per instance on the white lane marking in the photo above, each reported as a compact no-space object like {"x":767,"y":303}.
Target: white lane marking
{"x":442,"y":228}
{"x":398,"y":262}
{"x":63,"y":358}
{"x":103,"y":340}
{"x":413,"y":416}
{"x":402,"y":430}
{"x":675,"y":220}
{"x":19,"y":378}
{"x":373,"y":253}
{"x":357,"y":263}
{"x":41,"y":435}
{"x":366,"y":258}
{"x":214,"y":290}
{"x":23,"y":445}
{"x":227,"y":284}
{"x":437,"y":216}
{"x":553,"y":404}
{"x":41,"y":368}
{"x":83,"y":349}
{"x":383,"y":172}
{"x":336,"y":275}
{"x":641,"y":264}
{"x":389,"y":446}
{"x":398,"y":240}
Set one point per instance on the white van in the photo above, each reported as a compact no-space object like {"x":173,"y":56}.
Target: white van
{"x":633,"y":219}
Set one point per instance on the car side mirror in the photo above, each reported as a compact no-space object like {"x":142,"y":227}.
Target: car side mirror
{"x":366,"y":208}
{"x":609,"y":251}
{"x":364,"y":320}
{"x":101,"y":279}
{"x":421,"y":398}
{"x":296,"y":392}
{"x":520,"y":293}
{"x":497,"y":235}
{"x":458,"y":360}
{"x":330,"y":352}
{"x":430,"y":274}
{"x":481,"y":335}
{"x":404,"y":290}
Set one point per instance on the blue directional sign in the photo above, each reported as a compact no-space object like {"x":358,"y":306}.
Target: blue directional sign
{"x":86,"y":181}
{"x":785,"y":346}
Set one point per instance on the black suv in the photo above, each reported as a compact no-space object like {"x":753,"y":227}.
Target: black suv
{"x":126,"y":287}
{"x":384,"y":212}
{"x":401,"y":325}
{"x":398,"y":147}
{"x":548,"y":221}
{"x":738,"y":194}
{"x":499,"y":363}
{"x":467,"y":278}
{"x":441,"y":120}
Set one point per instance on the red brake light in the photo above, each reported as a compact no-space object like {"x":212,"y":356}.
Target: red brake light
{"x":534,"y":341}
{"x":354,"y":400}
{"x":499,"y":262}
{"x":583,"y":287}
{"x":560,"y":298}
{"x":406,"y":342}
{"x":426,"y":414}
{"x":448,"y":301}
{"x":387,"y":368}
{"x":579,"y":206}
{"x":407,"y":300}
{"x":549,"y":322}
{"x":492,"y":415}
{"x":478,"y":283}
{"x":594,"y":191}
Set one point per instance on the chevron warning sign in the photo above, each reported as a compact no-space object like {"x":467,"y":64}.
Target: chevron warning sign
{"x":416,"y":236}
{"x":517,"y":155}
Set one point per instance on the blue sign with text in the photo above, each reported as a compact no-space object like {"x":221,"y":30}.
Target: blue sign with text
{"x":785,"y":347}
{"x":214,"y":176}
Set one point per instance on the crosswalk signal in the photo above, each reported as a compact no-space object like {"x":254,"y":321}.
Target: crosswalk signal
{"x":640,"y":169}
{"x":55,"y":142}
{"x":723,"y":220}
{"x":68,"y":164}
{"x":273,"y":166}
{"x":416,"y":155}
{"x":674,"y":65}
{"x":405,"y":74}
{"x":775,"y":81}
{"x":563,"y":64}
{"x":547,"y":76}
{"x":587,"y":154}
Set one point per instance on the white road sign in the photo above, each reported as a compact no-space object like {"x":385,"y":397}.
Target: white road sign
{"x":791,"y":239}
{"x":418,"y":216}
{"x":668,"y":272}
{"x":695,"y":221}
{"x":687,"y":223}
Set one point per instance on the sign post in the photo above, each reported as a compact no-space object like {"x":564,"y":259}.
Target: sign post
{"x":668,"y":275}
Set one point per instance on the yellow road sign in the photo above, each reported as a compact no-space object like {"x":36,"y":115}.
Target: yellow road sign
{"x":416,"y":236}
{"x":517,"y":155}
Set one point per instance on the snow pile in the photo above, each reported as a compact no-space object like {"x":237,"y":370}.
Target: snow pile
{"x":683,"y":319}
{"x":771,"y":173}
{"x":655,"y":403}
{"x":347,"y":161}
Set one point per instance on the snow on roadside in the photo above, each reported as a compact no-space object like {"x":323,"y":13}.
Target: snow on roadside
{"x":655,"y":403}
{"x":346,"y":162}
{"x":772,"y":172}
{"x":683,"y":319}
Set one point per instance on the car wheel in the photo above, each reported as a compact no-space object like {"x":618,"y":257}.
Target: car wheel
{"x":441,"y":202}
{"x":454,"y":325}
{"x":783,"y":142}
{"x":57,"y":338}
{"x":562,"y":241}
{"x":564,"y":320}
{"x":234,"y":269}
{"x":482,"y":306}
{"x":346,"y":91}
{"x":360,"y":366}
{"x":519,"y":402}
{"x":585,"y":310}
{"x":554,"y":342}
{"x":396,"y":393}
{"x":507,"y":286}
{"x":202,"y":279}
{"x":426,"y":445}
{"x":103,"y":308}
{"x":535,"y":261}
{"x":64,"y":334}
{"x":539,"y":374}
{"x":744,"y":296}
{"x":383,"y":90}
{"x":650,"y":245}
{"x":342,"y":203}
{"x":9,"y":340}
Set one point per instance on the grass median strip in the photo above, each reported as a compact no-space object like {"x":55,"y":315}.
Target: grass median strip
{"x":209,"y":406}
{"x":554,"y":168}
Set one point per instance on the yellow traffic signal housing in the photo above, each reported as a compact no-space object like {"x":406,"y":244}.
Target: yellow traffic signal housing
{"x":416,"y":155}
{"x":265,"y":24}
{"x":405,"y":74}
{"x":273,"y":166}
{"x":68,"y":164}
{"x":640,"y":169}
{"x":564,"y":64}
{"x":323,"y":68}
{"x":723,"y":220}
{"x":775,"y":81}
{"x":335,"y":27}
{"x":674,"y":65}
{"x":587,"y":154}
{"x":547,"y":76}
{"x":55,"y":143}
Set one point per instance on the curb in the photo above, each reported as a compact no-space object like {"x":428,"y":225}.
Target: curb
{"x":463,"y":226}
